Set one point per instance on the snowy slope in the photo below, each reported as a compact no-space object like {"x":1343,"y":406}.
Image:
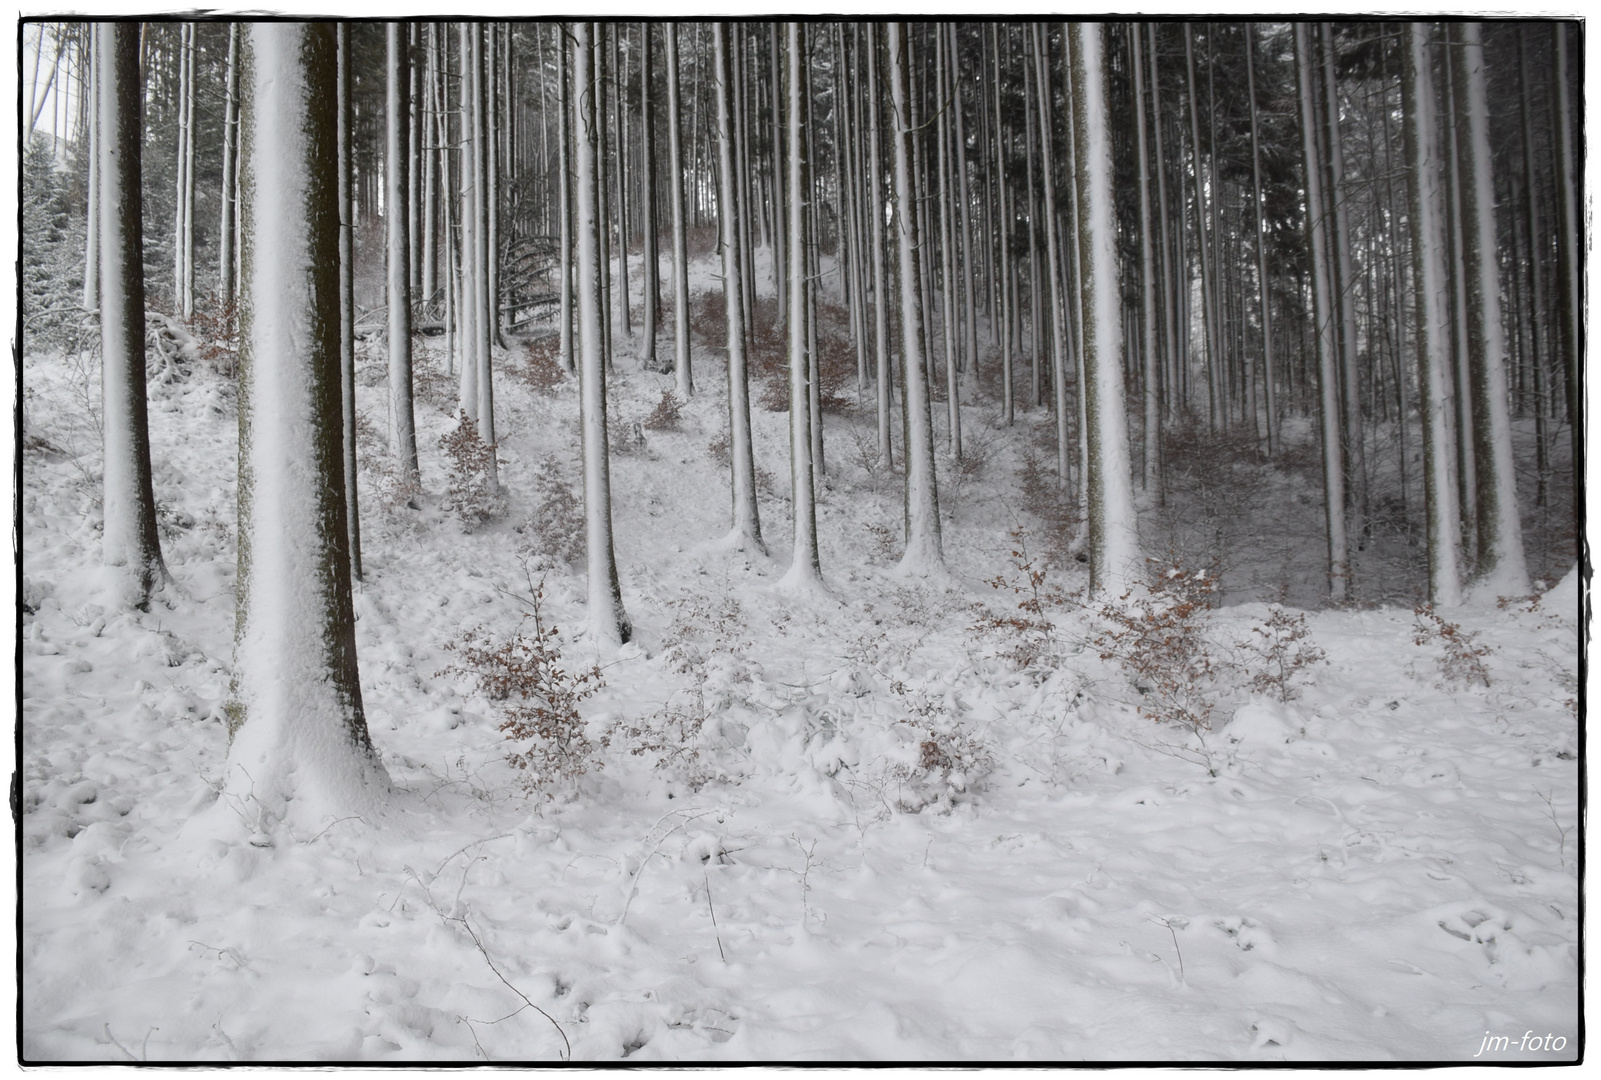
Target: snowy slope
{"x":1384,"y":868}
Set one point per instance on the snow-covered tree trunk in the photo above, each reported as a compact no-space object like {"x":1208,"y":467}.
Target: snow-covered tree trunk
{"x":805,"y":568}
{"x":964,"y":199}
{"x":953,"y":423}
{"x":91,"y":246}
{"x":347,"y":291}
{"x":564,"y":313}
{"x":923,"y":554}
{"x":1339,"y":568}
{"x":875,"y":211}
{"x":230,"y":158}
{"x":608,"y":622}
{"x":747,"y":528}
{"x":1052,"y":278}
{"x":129,"y":540}
{"x":183,"y":202}
{"x":1501,"y":569}
{"x":299,"y":744}
{"x":1260,"y":229}
{"x":619,"y":118}
{"x":484,"y":318}
{"x":1151,"y":474}
{"x":1114,"y":550}
{"x":428,"y":277}
{"x":685,"y":378}
{"x":470,"y":282}
{"x":1570,"y":245}
{"x":1432,"y":332}
{"x":647,"y":200}
{"x":397,"y":157}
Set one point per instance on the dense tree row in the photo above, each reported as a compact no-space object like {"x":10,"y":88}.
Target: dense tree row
{"x":1368,"y":231}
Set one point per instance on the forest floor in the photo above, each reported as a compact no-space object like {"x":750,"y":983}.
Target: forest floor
{"x":899,"y":819}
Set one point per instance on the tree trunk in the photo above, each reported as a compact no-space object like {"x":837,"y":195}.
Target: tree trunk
{"x":230,"y":159}
{"x":1432,"y":331}
{"x":1259,"y":210}
{"x":347,"y":291}
{"x":875,"y":210}
{"x":647,"y":200}
{"x":608,"y":622}
{"x":747,"y":530}
{"x":1152,"y":473}
{"x":299,"y":736}
{"x":1114,"y":550}
{"x":675,"y":192}
{"x":564,"y":150}
{"x":1501,"y":569}
{"x":923,"y":553}
{"x":91,"y":245}
{"x":402,"y":422}
{"x":129,"y":539}
{"x":805,"y":567}
{"x":1339,"y":569}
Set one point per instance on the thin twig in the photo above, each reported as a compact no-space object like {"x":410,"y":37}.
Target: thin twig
{"x":713,"y":914}
{"x":462,"y":919}
{"x":118,"y":1045}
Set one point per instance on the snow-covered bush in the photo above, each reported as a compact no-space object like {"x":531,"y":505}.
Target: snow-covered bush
{"x":1024,"y":637}
{"x":557,"y":523}
{"x":1461,"y":660}
{"x":1158,"y":633}
{"x":542,"y":369}
{"x":666,"y":415}
{"x":471,"y":491}
{"x":1278,"y":653}
{"x":536,"y":697}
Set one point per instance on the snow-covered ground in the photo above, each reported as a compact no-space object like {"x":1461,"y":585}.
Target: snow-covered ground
{"x":886,"y":842}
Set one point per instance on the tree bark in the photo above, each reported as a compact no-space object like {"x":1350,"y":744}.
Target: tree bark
{"x":1432,"y":332}
{"x":608,"y":622}
{"x":1114,"y":551}
{"x":684,"y":375}
{"x":299,"y":743}
{"x":805,"y":567}
{"x":347,"y":292}
{"x":129,"y":540}
{"x":922,"y":555}
{"x":397,"y":156}
{"x":747,"y":529}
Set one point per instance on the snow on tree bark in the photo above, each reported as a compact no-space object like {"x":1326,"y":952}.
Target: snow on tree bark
{"x":130,"y":539}
{"x":299,"y":743}
{"x":684,"y":375}
{"x":805,"y":568}
{"x":1432,"y":332}
{"x":397,"y":156}
{"x":1113,"y":537}
{"x":1323,"y":319}
{"x":1501,"y":568}
{"x":923,"y":554}
{"x":607,"y":620}
{"x":347,"y":291}
{"x":747,"y":528}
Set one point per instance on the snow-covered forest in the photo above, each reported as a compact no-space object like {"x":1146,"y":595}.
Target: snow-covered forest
{"x":825,"y":541}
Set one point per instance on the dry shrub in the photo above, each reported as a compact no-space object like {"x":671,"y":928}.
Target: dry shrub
{"x":541,"y":368}
{"x":708,"y":318}
{"x":471,"y":490}
{"x":1025,"y":636}
{"x":536,"y":697}
{"x":1461,"y":660}
{"x":667,"y":415}
{"x":1051,"y":500}
{"x":950,"y":759}
{"x":1278,"y":653}
{"x":432,"y":384}
{"x":557,"y":523}
{"x":215,"y":325}
{"x":719,"y":452}
{"x":1158,"y":633}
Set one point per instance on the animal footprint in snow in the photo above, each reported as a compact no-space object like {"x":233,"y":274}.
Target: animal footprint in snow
{"x":1479,"y":927}
{"x":1247,"y":934}
{"x":1271,"y":1031}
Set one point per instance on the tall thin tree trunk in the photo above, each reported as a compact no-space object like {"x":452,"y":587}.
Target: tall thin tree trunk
{"x":647,"y":199}
{"x":402,"y":422}
{"x":675,"y":192}
{"x":923,"y":553}
{"x":91,"y":245}
{"x":747,"y":530}
{"x":564,"y":311}
{"x":1431,"y":332}
{"x":1501,"y":569}
{"x":347,"y":290}
{"x":1339,"y":570}
{"x":1114,"y":552}
{"x":1052,"y":278}
{"x":875,"y":210}
{"x":608,"y":621}
{"x":805,"y":566}
{"x":1259,"y":211}
{"x":129,"y":539}
{"x":1152,"y":472}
